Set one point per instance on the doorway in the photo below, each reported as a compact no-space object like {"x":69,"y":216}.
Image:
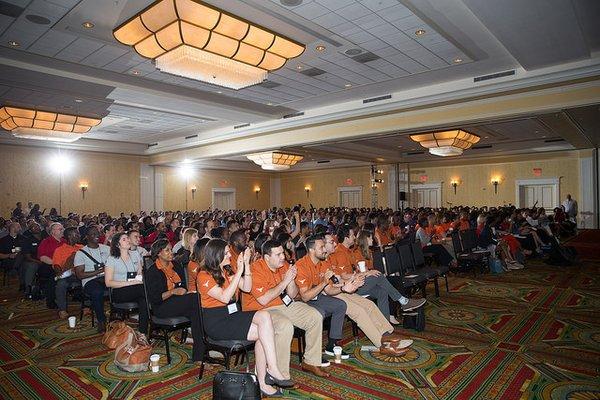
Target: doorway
{"x":350,"y":196}
{"x":538,"y":192}
{"x":223,"y":199}
{"x":427,"y":195}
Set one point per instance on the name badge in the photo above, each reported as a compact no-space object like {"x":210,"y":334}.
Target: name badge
{"x":287,"y":300}
{"x":131,"y":276}
{"x":232,"y":308}
{"x":178,"y":284}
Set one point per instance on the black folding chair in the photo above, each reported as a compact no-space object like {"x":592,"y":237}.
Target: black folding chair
{"x":432,"y":272}
{"x":401,"y":269}
{"x":465,"y":249}
{"x":165,"y":326}
{"x":122,"y":310}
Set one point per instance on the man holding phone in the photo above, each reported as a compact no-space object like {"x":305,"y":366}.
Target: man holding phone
{"x":89,"y":267}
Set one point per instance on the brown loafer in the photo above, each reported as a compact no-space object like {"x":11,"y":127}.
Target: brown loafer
{"x":392,"y":351}
{"x":313,"y":369}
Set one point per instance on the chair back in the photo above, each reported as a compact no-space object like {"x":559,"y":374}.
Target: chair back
{"x":379,"y":262}
{"x":406,"y":258}
{"x":392,"y":261}
{"x":146,"y":264}
{"x":456,"y":243}
{"x":468,"y":239}
{"x":417,"y":252}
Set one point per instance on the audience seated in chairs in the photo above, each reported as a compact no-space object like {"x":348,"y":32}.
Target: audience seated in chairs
{"x":123,"y":273}
{"x":219,"y":284}
{"x":62,"y":261}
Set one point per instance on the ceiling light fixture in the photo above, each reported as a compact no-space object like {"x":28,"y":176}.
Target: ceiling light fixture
{"x":274,"y":160}
{"x":457,"y":60}
{"x":299,"y":67}
{"x":13,"y":43}
{"x":446,"y":143}
{"x":78,"y":101}
{"x":88,"y":25}
{"x":42,"y":125}
{"x":347,"y":85}
{"x":135,"y":72}
{"x":320,"y":48}
{"x":195,"y":40}
{"x":420,"y":32}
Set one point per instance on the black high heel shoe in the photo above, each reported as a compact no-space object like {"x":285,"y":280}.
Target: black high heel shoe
{"x":282,"y":383}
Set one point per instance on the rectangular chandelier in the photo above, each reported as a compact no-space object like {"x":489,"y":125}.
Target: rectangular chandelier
{"x":274,"y":160}
{"x":43,"y":125}
{"x":446,"y":143}
{"x":193,"y":39}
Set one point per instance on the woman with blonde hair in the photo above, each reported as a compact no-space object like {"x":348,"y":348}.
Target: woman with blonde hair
{"x":182,"y":255}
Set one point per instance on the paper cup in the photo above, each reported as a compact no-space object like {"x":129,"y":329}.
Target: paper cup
{"x":362,"y":266}
{"x":72,"y":322}
{"x":154,"y":359}
{"x":337,"y":352}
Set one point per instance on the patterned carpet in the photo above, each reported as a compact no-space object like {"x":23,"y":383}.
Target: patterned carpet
{"x":530,"y":334}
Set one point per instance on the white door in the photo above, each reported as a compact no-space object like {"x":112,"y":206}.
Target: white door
{"x":538,"y":195}
{"x":427,"y":197}
{"x":223,"y":200}
{"x":351,"y":199}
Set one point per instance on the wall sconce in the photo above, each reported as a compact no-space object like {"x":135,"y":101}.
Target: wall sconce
{"x":495,"y":182}
{"x":257,"y":190}
{"x":454,"y":184}
{"x":84,"y":188}
{"x":307,"y":190}
{"x":193,"y":189}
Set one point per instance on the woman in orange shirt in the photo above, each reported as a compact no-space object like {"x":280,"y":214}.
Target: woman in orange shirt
{"x":196,"y":259}
{"x":219,"y":284}
{"x":362,"y":250}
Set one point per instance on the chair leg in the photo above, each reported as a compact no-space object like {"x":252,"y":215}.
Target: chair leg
{"x":227,"y":360}
{"x":183,"y":335}
{"x":436,"y":286}
{"x":447,"y":288}
{"x":166,"y":339}
{"x":236,"y":361}
{"x":201,"y":372}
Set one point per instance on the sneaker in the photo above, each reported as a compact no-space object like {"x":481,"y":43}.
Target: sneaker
{"x":329,"y":352}
{"x":413,"y":304}
{"x":394,"y":321}
{"x":325,"y":362}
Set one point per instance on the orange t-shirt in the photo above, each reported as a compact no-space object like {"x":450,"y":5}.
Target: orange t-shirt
{"x":263,"y":279}
{"x":62,"y":253}
{"x":309,"y":274}
{"x":205,"y":282}
{"x":358,"y":256}
{"x":441,"y":229}
{"x":463,"y":225}
{"x":234,"y":257}
{"x":342,"y":260}
{"x":384,"y":236}
{"x":192,"y":272}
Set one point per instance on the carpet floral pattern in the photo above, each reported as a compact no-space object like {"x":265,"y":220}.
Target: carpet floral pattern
{"x":528,"y":334}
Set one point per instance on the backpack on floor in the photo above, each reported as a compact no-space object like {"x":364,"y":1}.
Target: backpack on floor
{"x":495,"y":265}
{"x":133,"y":355}
{"x":560,"y":255}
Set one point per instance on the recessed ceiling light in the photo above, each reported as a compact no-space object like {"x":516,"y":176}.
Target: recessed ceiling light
{"x":420,"y":32}
{"x":12,"y":43}
{"x":88,"y":25}
{"x":269,"y":104}
{"x":78,"y":101}
{"x":219,"y":92}
{"x":544,"y":136}
{"x":299,"y":67}
{"x":485,"y":137}
{"x":320,"y":48}
{"x":291,"y":3}
{"x":457,"y":60}
{"x":348,"y":85}
{"x":135,"y":72}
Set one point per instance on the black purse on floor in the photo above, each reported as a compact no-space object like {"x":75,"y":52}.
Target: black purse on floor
{"x":230,"y":385}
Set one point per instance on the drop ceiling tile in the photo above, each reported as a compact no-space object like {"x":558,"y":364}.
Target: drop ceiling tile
{"x":344,"y":27}
{"x":329,"y":20}
{"x":335,"y":4}
{"x":354,"y":11}
{"x":410,"y":23}
{"x":360,"y":37}
{"x":52,"y":42}
{"x":379,"y":5}
{"x":311,"y":10}
{"x":369,"y":21}
{"x":46,"y":9}
{"x":79,"y":49}
{"x":5,"y":22}
{"x":104,"y":56}
{"x":395,"y":13}
{"x":375,"y":44}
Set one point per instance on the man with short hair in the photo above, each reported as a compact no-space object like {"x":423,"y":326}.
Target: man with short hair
{"x":45,"y":270}
{"x":62,"y":261}
{"x":89,"y":267}
{"x":31,"y":263}
{"x":135,"y":238}
{"x":18,"y":211}
{"x":570,"y":206}
{"x":366,"y":314}
{"x":11,"y":251}
{"x":376,"y":285}
{"x":273,"y":288}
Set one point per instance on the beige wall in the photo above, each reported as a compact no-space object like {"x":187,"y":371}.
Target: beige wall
{"x":475,"y":177}
{"x":244,"y":184}
{"x":324,"y":186}
{"x":25,"y":175}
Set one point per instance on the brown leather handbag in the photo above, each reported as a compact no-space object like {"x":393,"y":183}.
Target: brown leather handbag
{"x":116,"y":334}
{"x":133,"y":355}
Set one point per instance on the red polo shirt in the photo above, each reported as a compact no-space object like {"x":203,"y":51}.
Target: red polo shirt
{"x":48,"y":246}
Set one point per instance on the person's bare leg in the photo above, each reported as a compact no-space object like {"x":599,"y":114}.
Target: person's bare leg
{"x":262,"y":330}
{"x":261,"y":368}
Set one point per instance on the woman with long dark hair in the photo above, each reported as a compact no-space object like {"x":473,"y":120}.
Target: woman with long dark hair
{"x":169,"y":297}
{"x":196,"y":260}
{"x":123,"y":273}
{"x":219,"y":284}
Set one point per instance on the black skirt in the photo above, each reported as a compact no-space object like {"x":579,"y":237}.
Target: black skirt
{"x":220,"y":325}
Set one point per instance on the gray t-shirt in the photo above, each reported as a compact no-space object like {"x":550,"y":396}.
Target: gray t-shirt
{"x":121,"y":268}
{"x":101,"y":254}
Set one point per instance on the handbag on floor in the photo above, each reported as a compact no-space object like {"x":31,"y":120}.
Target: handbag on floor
{"x":133,"y":355}
{"x":231,"y":385}
{"x":115,"y":334}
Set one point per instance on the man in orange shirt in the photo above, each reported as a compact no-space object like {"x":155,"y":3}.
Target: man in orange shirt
{"x":376,"y":285}
{"x":62,"y":261}
{"x":274,"y":288}
{"x":382,"y":231}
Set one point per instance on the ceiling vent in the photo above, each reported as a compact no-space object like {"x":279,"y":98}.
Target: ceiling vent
{"x":269,"y":84}
{"x":353,"y":52}
{"x":312,"y":72}
{"x":298,"y":114}
{"x":414,"y":153}
{"x":554,"y":140}
{"x":484,"y":146}
{"x":152,"y":144}
{"x":493,"y":76}
{"x":37,"y":19}
{"x":241,"y":126}
{"x":191,"y":137}
{"x":323,"y":161}
{"x":10,"y":10}
{"x":373,"y":99}
{"x":366,"y":57}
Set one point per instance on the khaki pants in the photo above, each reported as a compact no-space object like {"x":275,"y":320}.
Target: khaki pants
{"x":367,"y":316}
{"x":304,"y":317}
